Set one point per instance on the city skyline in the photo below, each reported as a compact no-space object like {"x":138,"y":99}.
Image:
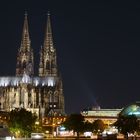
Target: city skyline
{"x":97,"y":47}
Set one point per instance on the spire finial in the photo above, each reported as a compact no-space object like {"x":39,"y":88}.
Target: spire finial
{"x":25,"y":13}
{"x":25,"y":33}
{"x":48,"y":13}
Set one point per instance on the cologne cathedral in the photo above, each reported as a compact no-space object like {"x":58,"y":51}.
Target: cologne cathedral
{"x":42,"y":94}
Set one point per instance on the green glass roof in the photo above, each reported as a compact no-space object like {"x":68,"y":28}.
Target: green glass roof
{"x":133,"y":109}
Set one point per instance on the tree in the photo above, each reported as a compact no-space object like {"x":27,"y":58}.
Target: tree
{"x":127,"y":124}
{"x":88,"y":126}
{"x":98,"y":126}
{"x":75,"y":122}
{"x":21,"y":122}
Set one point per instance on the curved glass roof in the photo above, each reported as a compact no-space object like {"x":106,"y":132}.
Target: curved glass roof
{"x":133,"y":109}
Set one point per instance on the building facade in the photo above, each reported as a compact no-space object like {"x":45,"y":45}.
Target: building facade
{"x":108,"y":116}
{"x":42,"y":94}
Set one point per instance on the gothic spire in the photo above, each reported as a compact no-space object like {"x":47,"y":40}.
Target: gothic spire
{"x":25,"y":41}
{"x":48,"y":41}
{"x":48,"y":65}
{"x":25,"y":54}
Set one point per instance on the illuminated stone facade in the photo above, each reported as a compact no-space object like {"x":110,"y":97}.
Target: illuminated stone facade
{"x":108,"y":116}
{"x":42,"y":94}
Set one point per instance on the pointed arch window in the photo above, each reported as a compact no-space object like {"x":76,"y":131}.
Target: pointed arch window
{"x":24,"y":64}
{"x":47,"y":64}
{"x":50,"y":96}
{"x":55,"y":96}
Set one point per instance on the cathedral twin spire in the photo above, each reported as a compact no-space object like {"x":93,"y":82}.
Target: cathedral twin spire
{"x":25,"y":59}
{"x":48,"y":65}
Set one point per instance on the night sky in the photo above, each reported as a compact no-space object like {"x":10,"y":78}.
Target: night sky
{"x":97,"y":43}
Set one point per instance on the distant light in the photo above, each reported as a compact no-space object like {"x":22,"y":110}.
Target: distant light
{"x":62,"y":128}
{"x":36,"y":82}
{"x":26,"y":78}
{"x":37,"y":135}
{"x":87,"y":134}
{"x":37,"y":122}
{"x":134,"y":113}
{"x":50,"y":82}
{"x":8,"y":138}
{"x":109,"y":132}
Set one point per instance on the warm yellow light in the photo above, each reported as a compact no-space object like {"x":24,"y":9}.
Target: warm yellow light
{"x":47,"y":132}
{"x":37,"y":123}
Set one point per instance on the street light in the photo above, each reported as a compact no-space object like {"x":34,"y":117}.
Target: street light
{"x":53,"y":128}
{"x":37,"y":125}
